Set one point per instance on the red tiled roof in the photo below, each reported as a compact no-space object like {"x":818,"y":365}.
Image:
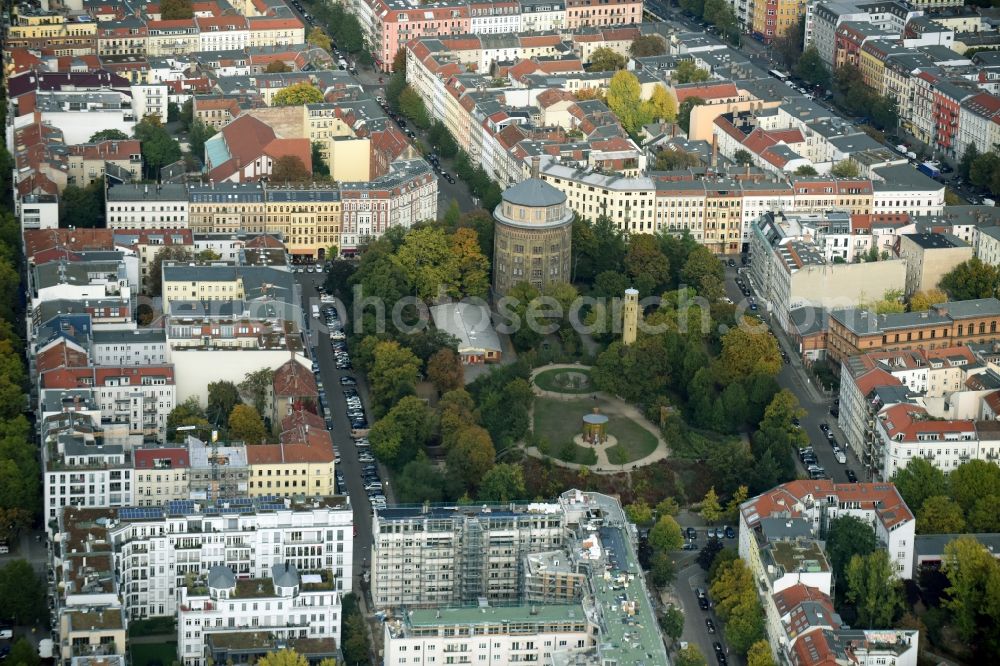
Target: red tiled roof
{"x":110,"y":149}
{"x":906,"y":422}
{"x":295,"y":380}
{"x":275,"y":454}
{"x":786,"y":600}
{"x":77,"y":240}
{"x":873,"y":379}
{"x":706,"y":91}
{"x":60,"y":355}
{"x":883,"y":498}
{"x":248,"y":138}
{"x":813,"y":649}
{"x":178,"y":458}
{"x":264,"y":241}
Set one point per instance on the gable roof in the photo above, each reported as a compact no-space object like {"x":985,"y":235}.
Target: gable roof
{"x":292,"y":379}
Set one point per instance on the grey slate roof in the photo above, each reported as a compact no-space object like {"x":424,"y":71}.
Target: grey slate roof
{"x":221,"y":577}
{"x":284,"y":575}
{"x":535,"y":193}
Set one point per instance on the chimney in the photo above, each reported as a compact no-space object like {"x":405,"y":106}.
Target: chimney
{"x":536,"y":166}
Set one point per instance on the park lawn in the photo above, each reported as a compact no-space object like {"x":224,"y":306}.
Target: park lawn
{"x":559,"y":421}
{"x":146,"y":654}
{"x":636,"y":440}
{"x":546,"y":380}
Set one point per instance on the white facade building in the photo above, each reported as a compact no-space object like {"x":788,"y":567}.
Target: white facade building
{"x":147,"y":207}
{"x":542,"y":15}
{"x":38,"y":211}
{"x":284,"y":604}
{"x":473,"y":635}
{"x":80,"y":469}
{"x":250,"y":536}
{"x":129,"y":347}
{"x":150,"y":100}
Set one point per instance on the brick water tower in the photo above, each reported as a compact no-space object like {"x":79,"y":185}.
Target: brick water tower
{"x":533,"y":233}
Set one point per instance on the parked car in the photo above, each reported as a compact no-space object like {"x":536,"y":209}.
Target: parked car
{"x":709,"y":625}
{"x":689,"y":546}
{"x":851,"y":476}
{"x":692,"y":533}
{"x":730,"y":532}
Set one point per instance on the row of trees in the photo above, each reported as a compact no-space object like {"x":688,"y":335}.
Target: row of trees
{"x":716,"y":12}
{"x":982,"y":169}
{"x":343,"y":27}
{"x":851,"y":94}
{"x":20,"y":491}
{"x":736,"y":601}
{"x":966,"y":500}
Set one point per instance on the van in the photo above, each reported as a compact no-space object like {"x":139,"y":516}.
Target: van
{"x":6,"y":632}
{"x":841,"y":457}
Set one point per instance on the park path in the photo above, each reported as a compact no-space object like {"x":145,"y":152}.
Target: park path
{"x":613,"y":406}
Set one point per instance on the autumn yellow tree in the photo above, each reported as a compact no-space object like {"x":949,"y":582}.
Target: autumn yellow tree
{"x":283,"y":658}
{"x":711,"y":510}
{"x":662,"y":104}
{"x":760,"y":654}
{"x":245,"y":424}
{"x":297,"y":94}
{"x":625,"y":101}
{"x":923,"y":300}
{"x":319,"y":38}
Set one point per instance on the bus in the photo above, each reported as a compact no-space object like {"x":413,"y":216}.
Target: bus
{"x":781,"y":76}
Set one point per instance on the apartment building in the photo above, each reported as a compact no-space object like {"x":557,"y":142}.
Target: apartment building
{"x":37,"y":211}
{"x":779,"y":529}
{"x":200,"y":282}
{"x":161,"y":206}
{"x":951,"y":324}
{"x":952,"y":388}
{"x":541,"y":15}
{"x":81,"y":468}
{"x":406,"y":195}
{"x":290,"y":468}
{"x":222,"y":33}
{"x":52,"y":33}
{"x":160,"y":475}
{"x":772,"y":19}
{"x":123,"y":37}
{"x":276,"y":30}
{"x":596,"y":610}
{"x":89,"y":635}
{"x":149,"y":243}
{"x":929,"y":257}
{"x":89,"y":278}
{"x":189,"y":537}
{"x":596,"y":14}
{"x":171,"y":37}
{"x":453,"y":555}
{"x":87,"y":162}
{"x":125,"y":347}
{"x":463,"y":634}
{"x":140,"y":397}
{"x":223,"y":617}
{"x":799,"y":261}
{"x":803,"y":627}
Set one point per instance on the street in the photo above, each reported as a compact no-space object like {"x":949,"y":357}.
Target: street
{"x":340,"y":433}
{"x":794,"y":377}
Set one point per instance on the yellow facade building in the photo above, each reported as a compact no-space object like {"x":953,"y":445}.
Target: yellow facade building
{"x":52,"y":33}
